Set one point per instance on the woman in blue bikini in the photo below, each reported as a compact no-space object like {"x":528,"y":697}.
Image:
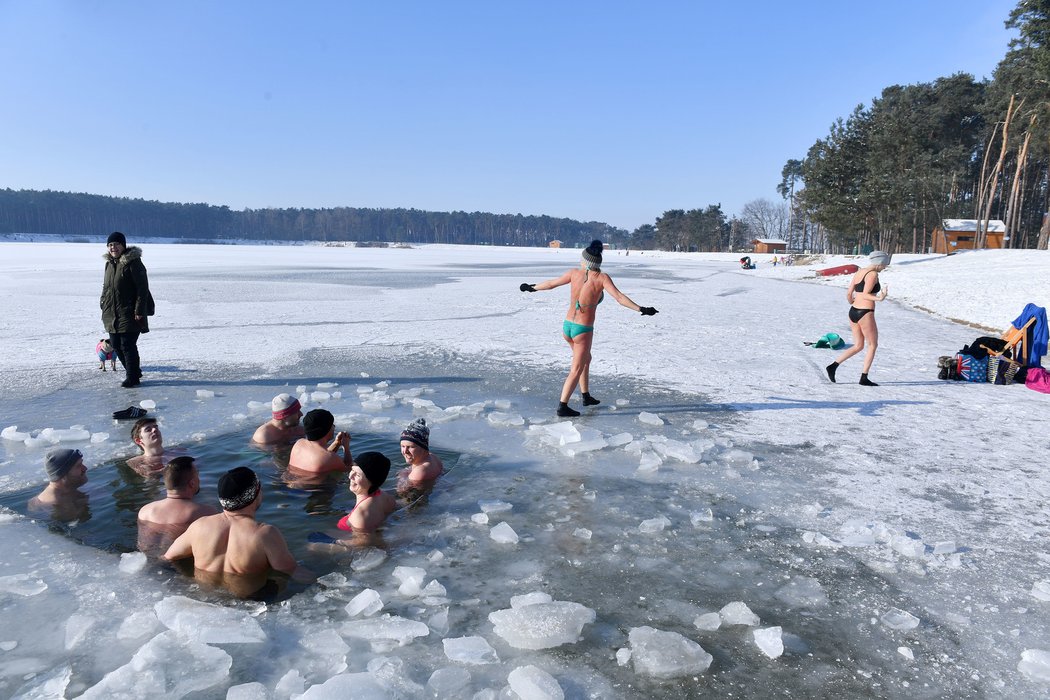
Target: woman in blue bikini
{"x":863,"y":291}
{"x":588,"y":285}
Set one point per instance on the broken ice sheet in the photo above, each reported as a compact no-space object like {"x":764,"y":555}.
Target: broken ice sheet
{"x":898,"y":619}
{"x":533,"y":683}
{"x":666,"y":654}
{"x":470,"y":650}
{"x":541,"y":625}
{"x":769,"y":640}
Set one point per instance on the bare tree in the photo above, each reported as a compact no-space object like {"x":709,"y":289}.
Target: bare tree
{"x":766,"y":219}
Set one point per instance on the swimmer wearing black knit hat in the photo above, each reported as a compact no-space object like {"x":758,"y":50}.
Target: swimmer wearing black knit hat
{"x":231,"y":545}
{"x":62,"y":498}
{"x":588,"y":285}
{"x":367,"y":475}
{"x":415,"y":448}
{"x":318,"y":451}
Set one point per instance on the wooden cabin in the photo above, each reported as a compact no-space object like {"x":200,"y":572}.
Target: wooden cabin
{"x":769,"y":245}
{"x":961,"y":234}
{"x":554,"y":244}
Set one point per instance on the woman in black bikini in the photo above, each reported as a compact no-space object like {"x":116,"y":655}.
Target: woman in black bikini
{"x":863,"y":291}
{"x":588,"y":287}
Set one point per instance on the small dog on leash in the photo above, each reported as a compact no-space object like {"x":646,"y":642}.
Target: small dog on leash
{"x":106,"y":354}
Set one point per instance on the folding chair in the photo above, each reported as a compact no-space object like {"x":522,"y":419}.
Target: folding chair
{"x":1017,"y":343}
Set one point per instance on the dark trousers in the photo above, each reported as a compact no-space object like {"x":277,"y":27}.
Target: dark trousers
{"x":126,"y":347}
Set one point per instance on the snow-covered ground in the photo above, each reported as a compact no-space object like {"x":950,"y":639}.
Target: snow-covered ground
{"x":890,"y":540}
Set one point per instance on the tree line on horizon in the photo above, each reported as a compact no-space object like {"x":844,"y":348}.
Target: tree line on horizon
{"x":888,"y":174}
{"x":79,"y":214}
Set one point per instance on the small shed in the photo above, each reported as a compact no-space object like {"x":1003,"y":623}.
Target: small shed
{"x":961,"y":234}
{"x":769,"y":245}
{"x":554,"y":244}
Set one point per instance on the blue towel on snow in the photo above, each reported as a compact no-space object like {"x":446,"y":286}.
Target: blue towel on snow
{"x":1039,"y":333}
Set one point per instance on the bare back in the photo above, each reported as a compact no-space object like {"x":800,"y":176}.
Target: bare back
{"x":233,"y":544}
{"x":585,"y":293}
{"x":174,"y":511}
{"x":312,"y":458}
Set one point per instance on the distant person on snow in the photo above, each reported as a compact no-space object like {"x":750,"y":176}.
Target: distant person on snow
{"x":863,"y":292}
{"x":284,"y":425}
{"x":126,"y":303}
{"x":588,"y":285}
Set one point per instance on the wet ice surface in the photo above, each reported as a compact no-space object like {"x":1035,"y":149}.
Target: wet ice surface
{"x":888,"y":570}
{"x":721,"y":557}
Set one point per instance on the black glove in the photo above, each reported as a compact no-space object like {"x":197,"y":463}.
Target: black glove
{"x":648,"y":311}
{"x":526,"y":287}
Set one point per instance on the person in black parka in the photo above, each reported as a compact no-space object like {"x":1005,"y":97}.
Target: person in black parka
{"x":126,"y":303}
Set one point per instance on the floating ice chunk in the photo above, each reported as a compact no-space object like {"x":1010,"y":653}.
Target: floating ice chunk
{"x":77,"y":627}
{"x":438,"y":622}
{"x":677,"y":450}
{"x":1035,"y":664}
{"x":33,"y":442}
{"x":333,"y":580}
{"x":448,"y":682}
{"x":138,"y":624}
{"x":360,"y":686}
{"x":737,"y":456}
{"x":557,"y":434}
{"x":908,"y":546}
{"x":737,"y":613}
{"x":55,"y":436}
{"x":803,"y":592}
{"x":582,"y":533}
{"x":534,"y":598}
{"x":699,"y":424}
{"x":504,"y":419}
{"x":132,"y":562}
{"x":434,"y":589}
{"x":666,"y":654}
{"x":361,"y":389}
{"x":533,"y":683}
{"x":148,"y":404}
{"x":906,"y":653}
{"x":501,"y":404}
{"x":320,"y":396}
{"x":652,"y":525}
{"x":650,"y":418}
{"x":366,"y":603}
{"x":619,"y":439}
{"x":409,"y":393}
{"x":52,"y":684}
{"x":386,"y":629}
{"x":99,"y":437}
{"x":897,"y":619}
{"x":205,"y":394}
{"x":541,"y":625}
{"x":649,"y":462}
{"x":214,"y":624}
{"x":504,"y":534}
{"x":248,"y":691}
{"x":944,"y":547}
{"x":708,"y":622}
{"x":1041,"y":590}
{"x":411,"y":579}
{"x":623,"y":402}
{"x":291,"y":685}
{"x":490,"y":506}
{"x":327,"y":385}
{"x":623,"y":656}
{"x":470,"y":650}
{"x":337,"y":394}
{"x":590,"y":440}
{"x":258,"y":406}
{"x":368,"y":559}
{"x":856,"y":535}
{"x":22,"y":584}
{"x":383,"y":384}
{"x":8,"y":645}
{"x":159,"y":670}
{"x":480,"y":518}
{"x":819,"y":540}
{"x":769,"y":640}
{"x":699,"y":517}
{"x":12,"y":433}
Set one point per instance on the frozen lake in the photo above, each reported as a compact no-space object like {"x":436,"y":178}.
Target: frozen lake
{"x":814,"y":540}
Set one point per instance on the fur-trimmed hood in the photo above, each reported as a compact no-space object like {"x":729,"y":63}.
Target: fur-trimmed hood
{"x":130,"y":253}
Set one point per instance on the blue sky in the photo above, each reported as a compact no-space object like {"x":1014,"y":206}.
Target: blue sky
{"x":600,"y":111}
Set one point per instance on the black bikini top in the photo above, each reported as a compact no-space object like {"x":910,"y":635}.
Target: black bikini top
{"x":859,"y":286}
